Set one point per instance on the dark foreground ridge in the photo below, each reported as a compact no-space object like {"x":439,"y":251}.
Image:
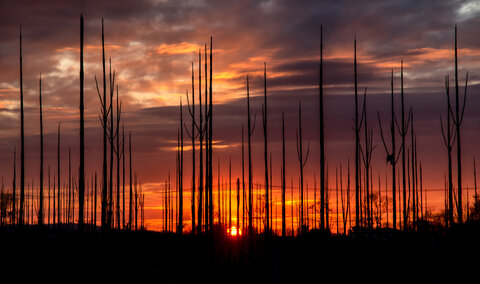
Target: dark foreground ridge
{"x":376,"y":256}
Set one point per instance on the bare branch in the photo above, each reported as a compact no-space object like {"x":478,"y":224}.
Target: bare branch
{"x":443,"y":133}
{"x":98,"y":92}
{"x":298,"y":149}
{"x":381,"y":134}
{"x":308,"y":152}
{"x":254,"y":123}
{"x":464,"y":100}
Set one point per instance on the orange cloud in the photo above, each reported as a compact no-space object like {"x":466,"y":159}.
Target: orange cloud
{"x":88,"y":47}
{"x":176,"y":48}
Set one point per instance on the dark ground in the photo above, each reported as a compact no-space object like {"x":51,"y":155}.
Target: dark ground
{"x":379,"y":256}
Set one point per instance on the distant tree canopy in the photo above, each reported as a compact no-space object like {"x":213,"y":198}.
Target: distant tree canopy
{"x":6,"y":205}
{"x":475,"y":209}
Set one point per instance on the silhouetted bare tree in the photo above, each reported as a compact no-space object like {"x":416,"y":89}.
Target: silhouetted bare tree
{"x":392,"y":156}
{"x":367,"y":159}
{"x":448,"y":139}
{"x":403,"y":133}
{"x":103,"y":119}
{"x":192,"y":136}
{"x":457,"y":121}
{"x":302,"y":161}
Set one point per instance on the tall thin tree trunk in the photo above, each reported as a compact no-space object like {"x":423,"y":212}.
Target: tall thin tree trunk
{"x":327,"y":210}
{"x":265,"y":153}
{"x":14,"y":188}
{"x":349,"y":211}
{"x":368,"y":162}
{"x":447,"y":139}
{"x":200,"y":183}
{"x":219,"y":195}
{"x":22,"y":142}
{"x":70,"y":185}
{"x":40,"y":211}
{"x":136,"y":204}
{"x":58,"y":177}
{"x":458,"y":122}
{"x":291,"y":207}
{"x":418,"y":201}
{"x":283,"y":177}
{"x":130,"y":200}
{"x":414,"y":201}
{"x":230,"y":194}
{"x":386,"y":198}
{"x":207,"y":149}
{"x":243,"y":181}
{"x":475,"y":198}
{"x":314,"y":201}
{"x":95,"y":204}
{"x":180,"y":181}
{"x":81,"y":175}
{"x":357,"y":145}
{"x":117,"y":134}
{"x":322,"y":138}
{"x":271,"y":192}
{"x":54,"y":203}
{"x":403,"y":134}
{"x":104,"y":124}
{"x":210,"y":136}
{"x":393,"y":160}
{"x":238,"y":205}
{"x":336,"y":192}
{"x":302,"y":161}
{"x":165,"y":210}
{"x":110,"y":216}
{"x":424,"y":215}
{"x":69,"y":215}
{"x":193,"y":152}
{"x":250,"y":132}
{"x":123,"y":176}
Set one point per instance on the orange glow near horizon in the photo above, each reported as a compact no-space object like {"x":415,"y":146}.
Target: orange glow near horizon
{"x":222,"y":209}
{"x":234,"y":232}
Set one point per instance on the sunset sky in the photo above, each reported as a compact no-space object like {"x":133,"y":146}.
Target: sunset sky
{"x":152,"y":44}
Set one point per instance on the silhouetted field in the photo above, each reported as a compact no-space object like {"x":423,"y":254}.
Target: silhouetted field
{"x":377,"y":256}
